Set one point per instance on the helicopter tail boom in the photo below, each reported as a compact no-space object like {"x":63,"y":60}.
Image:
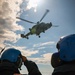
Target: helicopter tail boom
{"x":24,"y":36}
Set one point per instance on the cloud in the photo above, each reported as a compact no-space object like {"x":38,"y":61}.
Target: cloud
{"x":41,"y":48}
{"x":33,"y":4}
{"x":27,"y":52}
{"x":45,"y":59}
{"x":9,"y":9}
{"x":24,"y":50}
{"x":8,"y":26}
{"x":44,"y":44}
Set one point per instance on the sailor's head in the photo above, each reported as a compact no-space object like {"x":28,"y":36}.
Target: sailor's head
{"x":12,"y":55}
{"x":66,"y":47}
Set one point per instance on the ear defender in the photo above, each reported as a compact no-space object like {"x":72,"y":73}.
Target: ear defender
{"x":55,"y":60}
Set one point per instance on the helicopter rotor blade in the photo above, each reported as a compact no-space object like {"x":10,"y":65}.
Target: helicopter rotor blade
{"x":55,"y":26}
{"x":25,"y":20}
{"x":44,"y":15}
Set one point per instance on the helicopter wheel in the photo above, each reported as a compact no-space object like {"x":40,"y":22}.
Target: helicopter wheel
{"x":30,"y":29}
{"x":39,"y":36}
{"x":27,"y":37}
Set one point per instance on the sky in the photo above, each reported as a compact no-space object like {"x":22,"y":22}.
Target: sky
{"x":39,"y":50}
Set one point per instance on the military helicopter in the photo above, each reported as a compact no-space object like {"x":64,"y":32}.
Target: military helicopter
{"x":38,"y":28}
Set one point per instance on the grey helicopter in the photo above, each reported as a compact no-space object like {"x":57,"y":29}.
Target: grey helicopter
{"x":38,"y":28}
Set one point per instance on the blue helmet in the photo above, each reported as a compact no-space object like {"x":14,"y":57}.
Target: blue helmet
{"x":12,"y":55}
{"x":66,"y":47}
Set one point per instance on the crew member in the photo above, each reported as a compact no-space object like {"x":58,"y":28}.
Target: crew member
{"x":63,"y":61}
{"x":12,"y":60}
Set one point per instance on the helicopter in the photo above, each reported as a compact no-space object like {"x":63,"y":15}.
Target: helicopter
{"x":38,"y":28}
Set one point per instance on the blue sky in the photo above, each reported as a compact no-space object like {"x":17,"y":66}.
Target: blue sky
{"x":62,"y":13}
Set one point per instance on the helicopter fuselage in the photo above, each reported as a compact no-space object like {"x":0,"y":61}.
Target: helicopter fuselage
{"x":42,"y":27}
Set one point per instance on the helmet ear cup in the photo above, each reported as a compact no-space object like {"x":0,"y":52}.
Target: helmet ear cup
{"x":57,"y":46}
{"x":19,"y":62}
{"x":55,"y":60}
